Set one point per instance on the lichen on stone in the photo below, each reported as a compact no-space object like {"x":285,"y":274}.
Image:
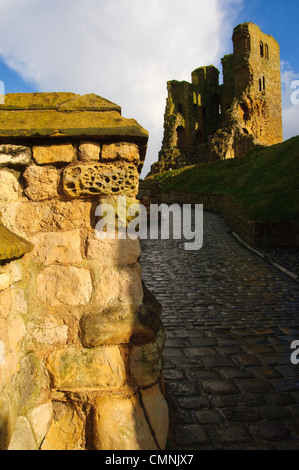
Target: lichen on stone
{"x":12,"y":245}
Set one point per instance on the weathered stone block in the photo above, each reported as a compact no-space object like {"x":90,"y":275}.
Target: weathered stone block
{"x":4,"y":281}
{"x":100,"y":180}
{"x":77,"y":369}
{"x":32,"y":218}
{"x":146,"y":365}
{"x":12,"y":330}
{"x":117,"y":252}
{"x":23,"y":437}
{"x":54,"y":154}
{"x":89,"y":151}
{"x":120,"y":151}
{"x":14,"y":155}
{"x":66,"y":432}
{"x":121,"y":285}
{"x":121,"y":324}
{"x":64,"y":285}
{"x":40,"y":419}
{"x":157,"y":412}
{"x":57,"y":247}
{"x":120,"y":424}
{"x":9,"y":187}
{"x":48,"y":331}
{"x":42,"y":183}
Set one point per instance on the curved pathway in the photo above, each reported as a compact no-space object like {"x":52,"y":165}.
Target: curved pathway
{"x":230,"y":319}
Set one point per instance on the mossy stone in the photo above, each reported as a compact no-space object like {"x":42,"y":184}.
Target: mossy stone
{"x":12,"y":246}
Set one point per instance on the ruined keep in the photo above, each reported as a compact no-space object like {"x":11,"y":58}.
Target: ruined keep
{"x":205,"y":121}
{"x":80,"y":335}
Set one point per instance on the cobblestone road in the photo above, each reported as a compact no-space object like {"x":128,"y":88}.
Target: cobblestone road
{"x":230,"y":319}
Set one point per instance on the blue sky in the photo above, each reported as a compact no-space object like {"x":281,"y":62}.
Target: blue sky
{"x":126,"y":50}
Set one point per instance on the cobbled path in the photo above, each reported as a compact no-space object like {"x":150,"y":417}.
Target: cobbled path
{"x":230,"y":319}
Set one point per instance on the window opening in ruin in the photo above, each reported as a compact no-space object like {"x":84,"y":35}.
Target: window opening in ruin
{"x":262,"y":49}
{"x":180,"y":137}
{"x":260,"y":84}
{"x":264,"y":83}
{"x":215,"y":104}
{"x":180,"y":108}
{"x":267,"y":52}
{"x":199,"y":138}
{"x":246,"y":114}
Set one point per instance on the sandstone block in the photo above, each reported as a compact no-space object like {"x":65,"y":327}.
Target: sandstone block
{"x":48,"y":331}
{"x":54,"y":154}
{"x":42,"y":183}
{"x":66,"y":432}
{"x":157,"y":412}
{"x":121,"y":324}
{"x":4,"y":281}
{"x":121,"y":151}
{"x":146,"y":365}
{"x":121,"y":285}
{"x":12,"y":331}
{"x":78,"y":369}
{"x":53,"y":215}
{"x":58,"y":285}
{"x":117,"y":252}
{"x":57,"y":247}
{"x":120,"y":424}
{"x":89,"y":151}
{"x":101,"y":180}
{"x":13,"y":270}
{"x":40,"y":419}
{"x":23,"y":437}
{"x":9,"y":187}
{"x":14,"y":155}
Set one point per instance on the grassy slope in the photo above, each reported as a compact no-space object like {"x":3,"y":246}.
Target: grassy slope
{"x":265,"y":182}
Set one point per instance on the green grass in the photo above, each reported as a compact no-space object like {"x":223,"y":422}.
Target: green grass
{"x":265,"y":182}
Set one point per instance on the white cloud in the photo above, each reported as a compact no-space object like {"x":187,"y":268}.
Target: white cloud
{"x":124,"y":50}
{"x":290,"y":109}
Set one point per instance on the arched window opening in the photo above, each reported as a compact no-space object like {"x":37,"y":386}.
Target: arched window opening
{"x":262,"y":49}
{"x":264,"y":84}
{"x":260,"y":84}
{"x":267,"y":51}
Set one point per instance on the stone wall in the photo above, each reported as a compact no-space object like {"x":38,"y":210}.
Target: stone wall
{"x":81,"y":333}
{"x":281,"y":234}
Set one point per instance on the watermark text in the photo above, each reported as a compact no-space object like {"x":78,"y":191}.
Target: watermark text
{"x":161,"y":222}
{"x":295,"y":94}
{"x":295,"y":354}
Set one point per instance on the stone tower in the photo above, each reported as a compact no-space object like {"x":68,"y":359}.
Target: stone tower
{"x":207,"y":121}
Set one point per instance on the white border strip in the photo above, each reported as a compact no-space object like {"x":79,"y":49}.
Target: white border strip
{"x":288,"y":273}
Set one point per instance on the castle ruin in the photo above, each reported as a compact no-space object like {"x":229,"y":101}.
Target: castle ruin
{"x":206,"y":121}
